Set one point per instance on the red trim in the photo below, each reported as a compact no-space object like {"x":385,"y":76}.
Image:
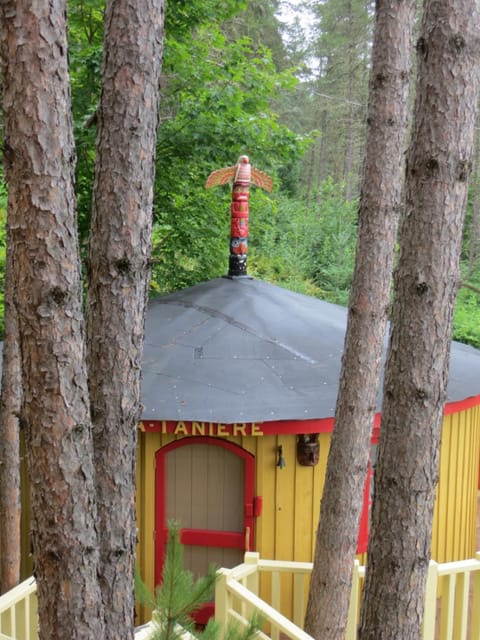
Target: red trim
{"x":461,"y":405}
{"x":362,"y":541}
{"x":203,"y":615}
{"x":276,"y":427}
{"x":205,"y":538}
{"x":217,"y":429}
{"x":201,"y":537}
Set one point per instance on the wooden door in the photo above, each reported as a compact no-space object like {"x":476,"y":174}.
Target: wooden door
{"x":207,"y":485}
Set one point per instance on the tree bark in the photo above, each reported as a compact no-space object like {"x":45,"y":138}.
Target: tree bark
{"x":10,"y":404}
{"x":348,"y":177}
{"x":39,"y":163}
{"x":426,"y":282}
{"x":322,"y":159}
{"x":119,"y":269}
{"x":380,"y":203}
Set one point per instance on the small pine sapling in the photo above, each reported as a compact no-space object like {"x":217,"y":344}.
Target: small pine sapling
{"x":179,"y":596}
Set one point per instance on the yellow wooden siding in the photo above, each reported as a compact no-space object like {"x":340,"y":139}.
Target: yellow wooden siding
{"x":291,"y":496}
{"x":291,"y":501}
{"x":454,"y":523}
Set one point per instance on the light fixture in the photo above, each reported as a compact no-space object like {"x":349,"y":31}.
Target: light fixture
{"x":281,"y":460}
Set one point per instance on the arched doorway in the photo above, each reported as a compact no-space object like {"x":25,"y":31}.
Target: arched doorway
{"x":207,"y":485}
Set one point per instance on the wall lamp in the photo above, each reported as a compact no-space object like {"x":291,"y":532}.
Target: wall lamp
{"x":281,"y":460}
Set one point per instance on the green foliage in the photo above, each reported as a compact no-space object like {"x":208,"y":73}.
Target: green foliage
{"x":280,"y":250}
{"x":216,"y":105}
{"x":185,"y":15}
{"x":308,"y":247}
{"x":333,"y":252}
{"x":179,"y":596}
{"x":260,"y":23}
{"x":85,"y":20}
{"x":217,"y":90}
{"x":227,"y":75}
{"x":466,"y":322}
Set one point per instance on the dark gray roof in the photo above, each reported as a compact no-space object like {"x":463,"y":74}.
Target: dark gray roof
{"x":243,"y":350}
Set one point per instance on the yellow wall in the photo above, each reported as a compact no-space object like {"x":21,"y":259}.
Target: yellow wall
{"x":291,"y":496}
{"x":291,"y":499}
{"x":455,"y":516}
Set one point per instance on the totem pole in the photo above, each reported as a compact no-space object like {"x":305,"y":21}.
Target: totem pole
{"x":243,"y":174}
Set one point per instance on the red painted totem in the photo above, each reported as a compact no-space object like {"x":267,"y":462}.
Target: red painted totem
{"x":243,"y":174}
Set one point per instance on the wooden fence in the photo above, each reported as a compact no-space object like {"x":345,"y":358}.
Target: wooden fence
{"x":452,"y":602}
{"x":452,"y":605}
{"x":18,"y":612}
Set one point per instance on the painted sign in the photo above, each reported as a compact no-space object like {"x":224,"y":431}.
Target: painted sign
{"x":217,"y":429}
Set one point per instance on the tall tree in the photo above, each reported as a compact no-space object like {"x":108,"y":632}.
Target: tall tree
{"x":210,"y":112}
{"x":380,"y":203}
{"x":344,"y":30}
{"x":39,"y":165}
{"x":10,"y":405}
{"x":119,"y":269}
{"x":350,"y":95}
{"x":426,"y":281}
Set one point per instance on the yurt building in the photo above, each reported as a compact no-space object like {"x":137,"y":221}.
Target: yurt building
{"x":240,"y":381}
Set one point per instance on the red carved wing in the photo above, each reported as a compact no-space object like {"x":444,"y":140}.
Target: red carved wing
{"x":261,"y":179}
{"x":221,"y":176}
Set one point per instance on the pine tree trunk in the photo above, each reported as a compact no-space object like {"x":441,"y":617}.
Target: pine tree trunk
{"x":426,"y":282}
{"x":351,"y":120}
{"x":10,"y":404}
{"x":119,"y":269}
{"x":380,"y":203}
{"x":322,"y":160}
{"x":39,"y":162}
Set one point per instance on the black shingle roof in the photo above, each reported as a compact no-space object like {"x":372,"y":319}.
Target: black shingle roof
{"x":243,"y":350}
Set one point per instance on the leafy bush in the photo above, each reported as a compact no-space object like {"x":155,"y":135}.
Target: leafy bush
{"x":466,"y":322}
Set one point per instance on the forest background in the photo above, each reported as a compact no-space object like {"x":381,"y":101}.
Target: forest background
{"x":285,"y":83}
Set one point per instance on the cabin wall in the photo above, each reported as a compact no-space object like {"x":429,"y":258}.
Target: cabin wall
{"x":291,"y":496}
{"x":291,"y":499}
{"x":455,"y":515}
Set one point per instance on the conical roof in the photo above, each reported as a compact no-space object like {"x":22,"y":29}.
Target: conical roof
{"x":242,"y":350}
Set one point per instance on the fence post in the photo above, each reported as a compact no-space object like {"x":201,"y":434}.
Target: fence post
{"x":221,"y":601}
{"x":252,"y":557}
{"x":476,"y":602}
{"x":299,"y":599}
{"x":460,"y":623}
{"x":430,"y":608}
{"x":352,"y":621}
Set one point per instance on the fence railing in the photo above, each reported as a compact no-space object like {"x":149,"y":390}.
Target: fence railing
{"x":18,"y":612}
{"x":452,"y":601}
{"x":458,"y":606}
{"x":452,"y":605}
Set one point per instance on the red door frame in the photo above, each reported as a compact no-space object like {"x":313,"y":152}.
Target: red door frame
{"x":363,"y":529}
{"x":199,"y":536}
